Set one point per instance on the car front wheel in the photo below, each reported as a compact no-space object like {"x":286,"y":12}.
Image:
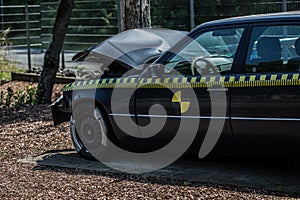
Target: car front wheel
{"x":87,"y":127}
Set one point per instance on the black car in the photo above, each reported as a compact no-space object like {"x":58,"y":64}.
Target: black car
{"x":229,"y":85}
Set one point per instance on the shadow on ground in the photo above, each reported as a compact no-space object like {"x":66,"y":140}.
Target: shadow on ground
{"x":274,"y":175}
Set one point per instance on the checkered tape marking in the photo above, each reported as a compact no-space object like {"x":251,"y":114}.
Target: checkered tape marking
{"x":258,"y":80}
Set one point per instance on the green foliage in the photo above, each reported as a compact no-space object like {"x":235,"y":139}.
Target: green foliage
{"x":186,"y":183}
{"x":6,"y":67}
{"x":4,"y":76}
{"x":3,"y":38}
{"x":9,"y":96}
{"x":3,"y":64}
{"x":18,"y":98}
{"x":31,"y":94}
{"x":5,"y":71}
{"x":4,"y":43}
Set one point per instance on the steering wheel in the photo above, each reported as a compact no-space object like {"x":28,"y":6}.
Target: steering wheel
{"x":203,"y":66}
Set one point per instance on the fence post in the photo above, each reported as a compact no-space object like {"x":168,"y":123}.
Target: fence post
{"x":284,"y":5}
{"x":2,"y":14}
{"x":192,"y":13}
{"x":28,"y":37}
{"x":120,"y":25}
{"x":63,"y":66}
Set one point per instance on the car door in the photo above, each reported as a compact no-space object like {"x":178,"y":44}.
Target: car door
{"x":265,"y":97}
{"x":185,"y":92}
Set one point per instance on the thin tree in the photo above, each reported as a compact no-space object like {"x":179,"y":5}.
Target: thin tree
{"x":135,"y":14}
{"x":51,"y":59}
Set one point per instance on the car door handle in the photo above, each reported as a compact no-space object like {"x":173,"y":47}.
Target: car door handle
{"x":217,"y":89}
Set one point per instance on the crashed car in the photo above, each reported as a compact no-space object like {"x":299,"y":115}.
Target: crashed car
{"x":230,"y":85}
{"x":126,"y":51}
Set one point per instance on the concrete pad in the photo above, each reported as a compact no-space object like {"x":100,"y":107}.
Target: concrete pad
{"x":283,"y":177}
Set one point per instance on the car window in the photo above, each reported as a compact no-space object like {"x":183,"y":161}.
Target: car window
{"x":216,"y":47}
{"x":273,"y":49}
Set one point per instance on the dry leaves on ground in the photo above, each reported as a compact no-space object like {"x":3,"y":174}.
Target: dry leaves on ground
{"x":29,"y":131}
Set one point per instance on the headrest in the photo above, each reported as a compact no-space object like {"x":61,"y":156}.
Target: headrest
{"x":269,"y":48}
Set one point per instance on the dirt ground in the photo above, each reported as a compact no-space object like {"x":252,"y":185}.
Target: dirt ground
{"x":28,"y":131}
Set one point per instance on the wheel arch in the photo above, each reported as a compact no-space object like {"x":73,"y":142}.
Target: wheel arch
{"x":111,"y":131}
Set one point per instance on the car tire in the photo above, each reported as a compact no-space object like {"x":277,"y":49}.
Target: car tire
{"x":87,"y":124}
{"x":77,"y":144}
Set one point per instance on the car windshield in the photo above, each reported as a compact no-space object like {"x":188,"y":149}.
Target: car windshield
{"x":189,"y":53}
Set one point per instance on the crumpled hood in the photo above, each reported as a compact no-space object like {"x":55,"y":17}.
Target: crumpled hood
{"x":134,"y":47}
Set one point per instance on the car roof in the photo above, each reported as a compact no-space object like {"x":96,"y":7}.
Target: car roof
{"x":282,"y":16}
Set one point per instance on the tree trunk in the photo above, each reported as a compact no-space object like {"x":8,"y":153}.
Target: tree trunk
{"x":51,"y":59}
{"x":135,"y":14}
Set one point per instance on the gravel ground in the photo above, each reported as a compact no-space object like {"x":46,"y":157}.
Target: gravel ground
{"x":29,"y":131}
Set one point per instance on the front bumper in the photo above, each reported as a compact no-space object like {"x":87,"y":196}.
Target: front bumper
{"x":60,"y":111}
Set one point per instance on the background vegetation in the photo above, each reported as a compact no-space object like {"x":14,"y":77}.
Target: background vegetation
{"x":6,"y":67}
{"x":96,"y":20}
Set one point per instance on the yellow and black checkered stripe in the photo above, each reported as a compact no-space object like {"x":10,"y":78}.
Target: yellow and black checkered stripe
{"x":258,"y":80}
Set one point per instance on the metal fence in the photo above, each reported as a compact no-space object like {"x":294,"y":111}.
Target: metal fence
{"x":185,"y":14}
{"x":25,"y":30}
{"x":31,"y":26}
{"x":24,"y":22}
{"x":92,"y":21}
{"x":95,"y":20}
{"x":210,"y":10}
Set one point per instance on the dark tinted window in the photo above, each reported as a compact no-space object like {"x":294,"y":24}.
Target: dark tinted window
{"x":273,"y":49}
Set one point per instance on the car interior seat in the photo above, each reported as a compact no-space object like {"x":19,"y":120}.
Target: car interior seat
{"x":269,"y":49}
{"x":294,"y":63}
{"x":269,"y":55}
